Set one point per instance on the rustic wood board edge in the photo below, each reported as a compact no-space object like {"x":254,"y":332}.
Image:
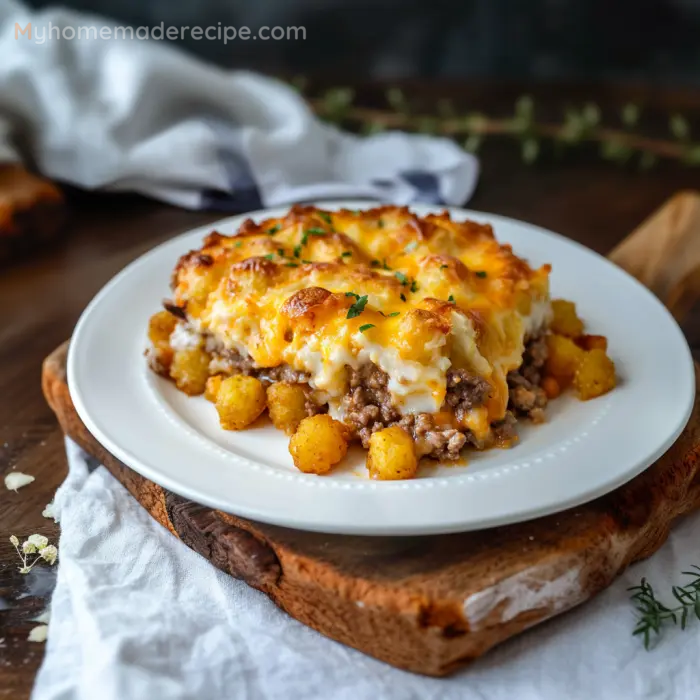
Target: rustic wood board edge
{"x":425,"y":604}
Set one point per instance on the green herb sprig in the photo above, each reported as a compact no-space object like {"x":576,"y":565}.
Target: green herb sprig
{"x":619,"y":140}
{"x":653,"y":615}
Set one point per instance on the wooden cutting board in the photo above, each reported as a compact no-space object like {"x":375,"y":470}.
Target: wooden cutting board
{"x":432,"y":604}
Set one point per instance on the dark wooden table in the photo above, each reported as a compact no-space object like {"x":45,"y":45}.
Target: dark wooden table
{"x":41,"y":298}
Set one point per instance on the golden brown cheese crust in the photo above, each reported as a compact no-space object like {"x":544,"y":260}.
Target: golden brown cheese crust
{"x":286,"y":291}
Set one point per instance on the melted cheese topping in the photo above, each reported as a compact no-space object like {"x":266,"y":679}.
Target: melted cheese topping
{"x":320,"y":291}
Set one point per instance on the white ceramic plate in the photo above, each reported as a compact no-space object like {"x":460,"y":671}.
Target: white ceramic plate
{"x":584,"y":450}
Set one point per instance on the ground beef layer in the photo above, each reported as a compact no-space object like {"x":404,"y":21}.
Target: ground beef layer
{"x":367,"y":407}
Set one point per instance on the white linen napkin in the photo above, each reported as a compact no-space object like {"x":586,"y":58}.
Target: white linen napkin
{"x":129,"y":114}
{"x":137,"y":615}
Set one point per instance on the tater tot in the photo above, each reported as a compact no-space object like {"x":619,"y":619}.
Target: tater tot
{"x":391,"y":455}
{"x":565,"y":320}
{"x":592,"y":342}
{"x":551,"y":387}
{"x":211,"y":389}
{"x":564,"y":357}
{"x":318,"y":444}
{"x":595,"y":375}
{"x":190,"y":370}
{"x":239,"y":401}
{"x":160,"y":326}
{"x":286,"y":404}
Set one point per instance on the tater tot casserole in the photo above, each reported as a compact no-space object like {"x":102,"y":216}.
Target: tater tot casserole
{"x":415,"y":336}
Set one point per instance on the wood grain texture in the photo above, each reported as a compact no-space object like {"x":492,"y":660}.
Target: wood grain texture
{"x":426,"y":604}
{"x":664,"y":253}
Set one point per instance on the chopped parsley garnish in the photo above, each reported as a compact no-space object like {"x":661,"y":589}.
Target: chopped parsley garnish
{"x":401,"y":277}
{"x":375,"y":263}
{"x":442,"y":267}
{"x":414,"y":286}
{"x":384,"y":265}
{"x":451,"y":299}
{"x":403,"y":297}
{"x":272,"y":231}
{"x":352,"y":294}
{"x":358,"y":307}
{"x":312,"y":232}
{"x":380,"y":223}
{"x":292,"y":264}
{"x":307,"y":262}
{"x":269,"y":256}
{"x":391,"y":315}
{"x":480,"y":273}
{"x":297,"y":251}
{"x":280,"y":252}
{"x":411,"y":247}
{"x":325,"y":216}
{"x":346,"y":254}
{"x":366,"y":327}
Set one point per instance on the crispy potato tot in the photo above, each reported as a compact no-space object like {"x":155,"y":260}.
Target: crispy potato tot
{"x":563,"y":360}
{"x":595,"y":376}
{"x":565,"y":321}
{"x":211,"y":389}
{"x":551,"y":387}
{"x":392,"y":455}
{"x":160,"y":326}
{"x":160,"y":355}
{"x":592,"y":342}
{"x":286,"y":404}
{"x":318,"y":444}
{"x":239,"y":401}
{"x":190,"y":370}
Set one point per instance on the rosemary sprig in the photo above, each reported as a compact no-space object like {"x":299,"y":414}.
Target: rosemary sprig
{"x":619,"y":142}
{"x":653,"y":615}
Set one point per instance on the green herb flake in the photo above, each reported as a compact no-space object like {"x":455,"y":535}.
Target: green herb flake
{"x":280,"y":252}
{"x":358,"y":307}
{"x":366,"y":327}
{"x":403,"y":297}
{"x":307,"y":262}
{"x":272,"y":231}
{"x":315,"y":231}
{"x":380,"y":223}
{"x":238,"y":245}
{"x":292,"y":264}
{"x":411,"y":247}
{"x":325,"y":216}
{"x":346,"y":254}
{"x":401,"y":277}
{"x":442,"y":267}
{"x":414,"y":286}
{"x":451,"y":299}
{"x":297,"y":251}
{"x":384,"y":265}
{"x":375,"y":263}
{"x":269,"y":256}
{"x":480,"y":273}
{"x":352,"y":294}
{"x":392,"y":314}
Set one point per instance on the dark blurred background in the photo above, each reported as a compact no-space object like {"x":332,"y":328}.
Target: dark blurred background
{"x":650,"y":41}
